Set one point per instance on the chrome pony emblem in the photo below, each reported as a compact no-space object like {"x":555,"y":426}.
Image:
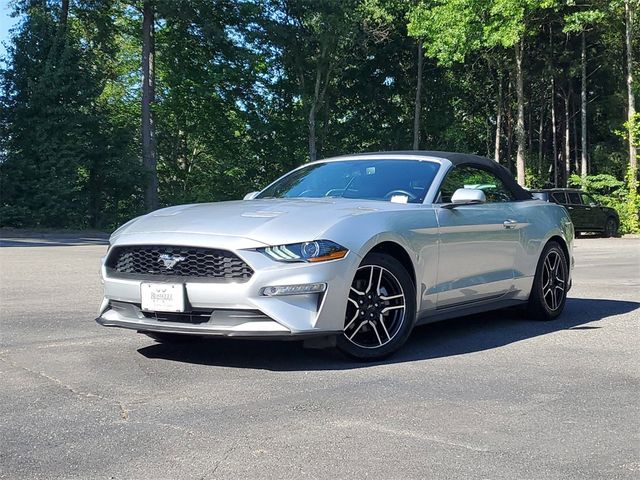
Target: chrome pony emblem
{"x":169,"y":261}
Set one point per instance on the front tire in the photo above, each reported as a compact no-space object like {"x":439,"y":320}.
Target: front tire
{"x":381,"y":309}
{"x":549,"y":292}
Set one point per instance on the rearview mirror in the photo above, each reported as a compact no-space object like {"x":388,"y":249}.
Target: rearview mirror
{"x":466,"y":196}
{"x":251,"y":195}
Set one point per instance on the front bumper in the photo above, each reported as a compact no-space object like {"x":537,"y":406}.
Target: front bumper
{"x":265,"y":330}
{"x":239,"y":309}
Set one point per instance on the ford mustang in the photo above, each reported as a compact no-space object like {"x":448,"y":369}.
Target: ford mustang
{"x":351,"y":252}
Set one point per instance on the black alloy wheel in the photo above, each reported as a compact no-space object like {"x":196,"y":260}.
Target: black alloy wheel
{"x":381,"y":309}
{"x":550,"y":285}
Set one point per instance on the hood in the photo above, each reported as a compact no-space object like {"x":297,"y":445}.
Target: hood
{"x":270,"y":221}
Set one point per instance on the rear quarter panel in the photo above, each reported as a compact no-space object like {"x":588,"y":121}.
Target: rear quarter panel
{"x":544,"y":220}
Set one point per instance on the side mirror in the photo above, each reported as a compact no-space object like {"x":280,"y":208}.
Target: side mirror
{"x":251,"y":195}
{"x":466,"y":196}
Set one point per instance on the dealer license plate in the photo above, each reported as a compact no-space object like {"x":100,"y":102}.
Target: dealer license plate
{"x":162,"y":297}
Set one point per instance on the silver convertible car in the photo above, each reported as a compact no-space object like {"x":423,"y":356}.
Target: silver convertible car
{"x":352,"y":252}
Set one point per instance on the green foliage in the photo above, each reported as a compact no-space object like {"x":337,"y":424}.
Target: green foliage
{"x":238,"y":84}
{"x":597,"y":184}
{"x":453,"y":29}
{"x":535,"y":180}
{"x":66,"y":150}
{"x":631,"y":126}
{"x":576,"y":22}
{"x":450,"y":29}
{"x":630,"y":211}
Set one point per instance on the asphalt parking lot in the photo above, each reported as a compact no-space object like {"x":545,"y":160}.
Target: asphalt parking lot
{"x":491,"y":396}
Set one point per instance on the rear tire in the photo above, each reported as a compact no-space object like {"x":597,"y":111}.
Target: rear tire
{"x":381,"y":309}
{"x":610,"y":228}
{"x":549,"y":291}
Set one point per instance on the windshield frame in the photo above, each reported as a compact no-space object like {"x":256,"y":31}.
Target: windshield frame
{"x":441,"y":163}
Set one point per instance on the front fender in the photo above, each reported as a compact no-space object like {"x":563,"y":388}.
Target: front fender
{"x":413,"y":228}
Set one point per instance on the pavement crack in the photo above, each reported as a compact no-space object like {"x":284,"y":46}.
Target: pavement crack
{"x":123,"y":410}
{"x":226,"y":455}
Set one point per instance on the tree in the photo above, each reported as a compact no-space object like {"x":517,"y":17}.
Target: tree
{"x":452,"y":30}
{"x":581,"y":22}
{"x":418,"y":103}
{"x":148,"y":97}
{"x":520,"y":138}
{"x":248,"y":89}
{"x":61,"y":138}
{"x":629,"y":8}
{"x":215,"y":93}
{"x":499,"y":106}
{"x":314,"y":38}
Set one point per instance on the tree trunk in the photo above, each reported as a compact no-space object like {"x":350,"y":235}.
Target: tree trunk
{"x":323,"y":131}
{"x":554,"y":142}
{"x":631,"y":107}
{"x":540,"y":139}
{"x":583,"y":110}
{"x":554,"y":139}
{"x":496,"y":154}
{"x":509,"y":129}
{"x":488,"y":137}
{"x":311,"y":120}
{"x":319,"y":91}
{"x":148,"y":97}
{"x":567,"y":143}
{"x":529,"y":130}
{"x":418,"y":104}
{"x":64,"y":14}
{"x":58,"y":45}
{"x":313,"y":151}
{"x":576,"y":160}
{"x":520,"y":134}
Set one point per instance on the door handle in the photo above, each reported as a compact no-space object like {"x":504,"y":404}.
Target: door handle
{"x":569,"y":208}
{"x":588,"y":209}
{"x":510,"y":223}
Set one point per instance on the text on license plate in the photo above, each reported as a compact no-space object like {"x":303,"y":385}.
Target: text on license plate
{"x":162,"y":297}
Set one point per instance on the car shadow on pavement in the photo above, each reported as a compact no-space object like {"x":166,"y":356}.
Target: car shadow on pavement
{"x":443,"y":339}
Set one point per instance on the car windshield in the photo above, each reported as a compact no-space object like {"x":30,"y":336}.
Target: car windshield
{"x":403,"y":181}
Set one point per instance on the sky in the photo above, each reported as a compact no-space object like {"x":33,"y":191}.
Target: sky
{"x":6,"y":22}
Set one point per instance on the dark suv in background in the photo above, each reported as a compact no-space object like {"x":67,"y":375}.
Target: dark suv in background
{"x":587,"y":215}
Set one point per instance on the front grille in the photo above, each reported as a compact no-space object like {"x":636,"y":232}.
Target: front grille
{"x":155,"y":261}
{"x":183,"y":317}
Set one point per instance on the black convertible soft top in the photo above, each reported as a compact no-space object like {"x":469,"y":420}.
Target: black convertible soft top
{"x":463,"y":159}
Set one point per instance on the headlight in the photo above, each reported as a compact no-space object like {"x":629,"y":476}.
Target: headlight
{"x":316,"y":251}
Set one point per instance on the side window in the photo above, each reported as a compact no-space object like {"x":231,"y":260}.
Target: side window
{"x":574,"y":198}
{"x":467,"y":176}
{"x":559,"y":197}
{"x":587,"y":199}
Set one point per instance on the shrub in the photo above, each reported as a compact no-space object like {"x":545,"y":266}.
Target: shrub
{"x":14,"y":216}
